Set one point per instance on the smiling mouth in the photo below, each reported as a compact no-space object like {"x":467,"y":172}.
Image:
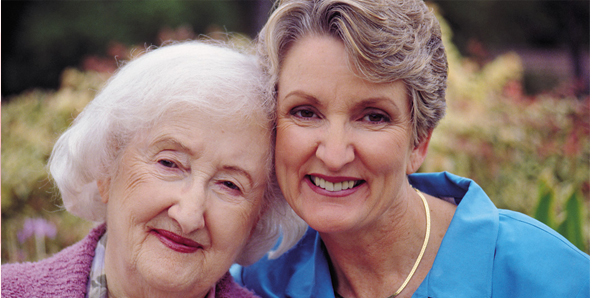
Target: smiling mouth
{"x":176,"y":242}
{"x":334,"y":186}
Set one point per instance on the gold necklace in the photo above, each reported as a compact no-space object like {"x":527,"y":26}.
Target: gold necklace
{"x":423,"y":248}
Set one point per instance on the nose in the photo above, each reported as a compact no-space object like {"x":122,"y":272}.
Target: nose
{"x":189,"y":209}
{"x":335,"y":149}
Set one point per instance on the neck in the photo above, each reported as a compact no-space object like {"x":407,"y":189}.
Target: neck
{"x":376,"y":260}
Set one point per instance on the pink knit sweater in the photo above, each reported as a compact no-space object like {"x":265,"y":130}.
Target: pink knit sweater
{"x":66,"y":273}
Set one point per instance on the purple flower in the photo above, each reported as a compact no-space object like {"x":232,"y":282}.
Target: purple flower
{"x":38,"y":227}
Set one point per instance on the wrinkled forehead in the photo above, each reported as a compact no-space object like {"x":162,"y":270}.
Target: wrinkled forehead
{"x":234,"y":141}
{"x":250,"y":125}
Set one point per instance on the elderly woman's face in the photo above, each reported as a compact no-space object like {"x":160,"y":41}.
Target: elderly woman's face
{"x":344,"y":145}
{"x":183,"y":203}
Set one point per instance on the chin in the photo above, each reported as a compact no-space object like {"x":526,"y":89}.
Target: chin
{"x":169,"y":275}
{"x":177,"y":285}
{"x":330,"y":223}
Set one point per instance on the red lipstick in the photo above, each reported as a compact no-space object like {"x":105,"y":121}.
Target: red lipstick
{"x":176,"y":242}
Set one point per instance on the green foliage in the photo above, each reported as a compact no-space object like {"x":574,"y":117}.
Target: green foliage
{"x":571,"y":227}
{"x":31,"y":123}
{"x":545,"y":208}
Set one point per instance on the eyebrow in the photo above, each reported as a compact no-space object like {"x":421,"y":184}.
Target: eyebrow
{"x":172,"y":141}
{"x":241,"y":171}
{"x":363,"y":103}
{"x":303,"y":94}
{"x":374,"y":100}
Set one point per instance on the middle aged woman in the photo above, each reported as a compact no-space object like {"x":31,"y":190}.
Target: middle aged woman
{"x":175,"y":156}
{"x":360,"y":86}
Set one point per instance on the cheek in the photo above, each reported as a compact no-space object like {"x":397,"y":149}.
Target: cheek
{"x":294,"y":146}
{"x":139,"y":195}
{"x":383,"y":153}
{"x":288,"y":157}
{"x":231,"y":226}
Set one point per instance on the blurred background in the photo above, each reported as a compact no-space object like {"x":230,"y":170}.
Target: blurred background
{"x":518,"y":120}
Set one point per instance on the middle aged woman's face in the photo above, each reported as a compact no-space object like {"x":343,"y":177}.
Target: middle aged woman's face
{"x":344,"y":145}
{"x":182,"y":204}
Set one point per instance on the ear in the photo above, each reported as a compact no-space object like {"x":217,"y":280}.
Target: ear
{"x":418,"y":154}
{"x":103,"y":186}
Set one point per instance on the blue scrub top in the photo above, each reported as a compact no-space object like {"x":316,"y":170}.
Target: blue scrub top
{"x":486,"y":252}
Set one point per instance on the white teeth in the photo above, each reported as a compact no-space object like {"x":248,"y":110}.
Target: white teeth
{"x":330,"y":186}
{"x":337,"y":186}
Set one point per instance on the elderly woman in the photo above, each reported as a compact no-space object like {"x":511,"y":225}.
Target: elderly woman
{"x":175,"y":157}
{"x":360,"y":86}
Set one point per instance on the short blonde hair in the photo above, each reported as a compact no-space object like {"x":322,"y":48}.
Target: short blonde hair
{"x":387,"y":40}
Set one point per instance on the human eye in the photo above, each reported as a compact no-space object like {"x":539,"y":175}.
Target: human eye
{"x":231,"y":185}
{"x":167,"y":163}
{"x":170,"y":168}
{"x":304,"y":112}
{"x":172,"y":161}
{"x":376,"y":118}
{"x":230,"y":189}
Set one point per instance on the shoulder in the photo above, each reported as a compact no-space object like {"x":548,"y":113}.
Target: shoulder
{"x":302,"y":271}
{"x":510,"y":254}
{"x":284,"y":265}
{"x":516,"y":228}
{"x":65,"y":273}
{"x":533,"y":259}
